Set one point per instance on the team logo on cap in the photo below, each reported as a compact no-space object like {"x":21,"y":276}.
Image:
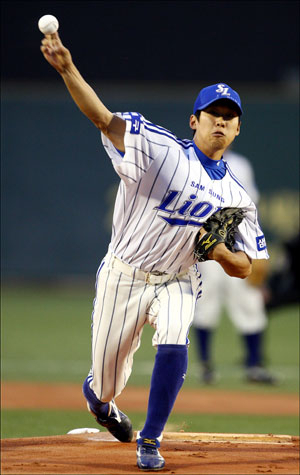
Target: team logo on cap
{"x":223,"y":90}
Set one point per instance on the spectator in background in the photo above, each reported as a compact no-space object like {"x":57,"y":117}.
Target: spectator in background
{"x":242,"y":298}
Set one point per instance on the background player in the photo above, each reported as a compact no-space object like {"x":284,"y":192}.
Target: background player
{"x":168,"y":189}
{"x":243,"y":300}
{"x":283,"y":283}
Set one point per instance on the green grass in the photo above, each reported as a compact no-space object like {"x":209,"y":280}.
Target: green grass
{"x":37,"y":423}
{"x":46,"y":337}
{"x":46,"y":334}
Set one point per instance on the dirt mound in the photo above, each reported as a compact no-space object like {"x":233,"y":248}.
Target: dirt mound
{"x":101,"y":454}
{"x":184,"y":454}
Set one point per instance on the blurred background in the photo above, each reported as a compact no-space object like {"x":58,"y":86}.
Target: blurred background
{"x":147,"y":56}
{"x":58,"y":186}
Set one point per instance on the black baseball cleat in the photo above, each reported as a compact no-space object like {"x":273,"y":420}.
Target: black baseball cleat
{"x":258,"y":374}
{"x":117,"y":423}
{"x":208,"y":374}
{"x":148,"y":456}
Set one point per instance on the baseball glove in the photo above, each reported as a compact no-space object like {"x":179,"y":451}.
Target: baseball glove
{"x":220,"y":227}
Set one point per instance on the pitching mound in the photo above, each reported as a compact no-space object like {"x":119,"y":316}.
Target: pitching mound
{"x":185,"y":453}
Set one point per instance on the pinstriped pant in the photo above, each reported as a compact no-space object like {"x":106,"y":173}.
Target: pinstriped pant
{"x":122,"y":307}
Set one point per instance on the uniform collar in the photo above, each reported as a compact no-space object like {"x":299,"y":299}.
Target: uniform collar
{"x":208,"y":162}
{"x":216,"y":169}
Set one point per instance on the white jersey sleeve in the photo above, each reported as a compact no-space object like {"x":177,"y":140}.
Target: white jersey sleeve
{"x":250,"y":237}
{"x":140,"y":150}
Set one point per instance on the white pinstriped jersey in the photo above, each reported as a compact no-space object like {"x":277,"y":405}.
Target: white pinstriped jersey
{"x":166,"y":193}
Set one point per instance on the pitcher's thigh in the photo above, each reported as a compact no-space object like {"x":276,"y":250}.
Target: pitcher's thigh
{"x":118,"y":319}
{"x":173,"y":309}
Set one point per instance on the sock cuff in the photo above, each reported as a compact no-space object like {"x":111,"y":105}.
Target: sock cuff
{"x":97,"y":407}
{"x":171,"y":347}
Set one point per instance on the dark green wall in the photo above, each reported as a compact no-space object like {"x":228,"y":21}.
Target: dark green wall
{"x":58,"y":183}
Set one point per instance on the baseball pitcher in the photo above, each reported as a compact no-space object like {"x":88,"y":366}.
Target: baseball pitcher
{"x":168,"y":212}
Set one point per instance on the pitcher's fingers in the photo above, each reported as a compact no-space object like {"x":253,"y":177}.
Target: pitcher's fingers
{"x":55,"y":36}
{"x":45,"y":50}
{"x":45,"y":41}
{"x":49,"y":39}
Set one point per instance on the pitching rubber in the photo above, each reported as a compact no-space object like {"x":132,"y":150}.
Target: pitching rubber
{"x":236,"y":438}
{"x":204,"y":437}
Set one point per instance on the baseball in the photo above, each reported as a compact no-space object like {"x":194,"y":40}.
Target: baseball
{"x":48,"y":24}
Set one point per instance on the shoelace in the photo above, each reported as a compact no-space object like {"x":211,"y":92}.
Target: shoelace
{"x":148,"y":450}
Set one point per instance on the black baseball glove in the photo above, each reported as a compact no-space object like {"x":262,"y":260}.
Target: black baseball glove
{"x":220,"y":227}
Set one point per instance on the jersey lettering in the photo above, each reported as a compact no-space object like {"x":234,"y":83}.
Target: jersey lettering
{"x":200,"y":210}
{"x":135,"y":123}
{"x":198,"y":186}
{"x":261,"y":243}
{"x":216,"y":195}
{"x":186,"y":205}
{"x":169,"y":198}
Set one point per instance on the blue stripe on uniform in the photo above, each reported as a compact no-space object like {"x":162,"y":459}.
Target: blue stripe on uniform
{"x":141,"y":151}
{"x":136,"y":165}
{"x":234,"y":177}
{"x":93,"y":348}
{"x":172,"y":137}
{"x":183,"y":142}
{"x":108,"y":332}
{"x":180,"y":308}
{"x":162,"y":144}
{"x":155,"y":215}
{"x":128,"y":242}
{"x":175,"y":204}
{"x":130,"y":213}
{"x":127,"y":176}
{"x":124,"y":320}
{"x":178,"y":254}
{"x":168,"y":311}
{"x":136,"y":322}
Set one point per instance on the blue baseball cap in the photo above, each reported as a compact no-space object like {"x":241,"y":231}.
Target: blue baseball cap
{"x":213,"y":93}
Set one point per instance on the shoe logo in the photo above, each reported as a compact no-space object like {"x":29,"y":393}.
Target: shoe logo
{"x":116,"y":414}
{"x":149,"y":441}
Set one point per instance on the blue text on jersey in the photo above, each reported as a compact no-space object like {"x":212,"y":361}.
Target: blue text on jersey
{"x":189,"y":208}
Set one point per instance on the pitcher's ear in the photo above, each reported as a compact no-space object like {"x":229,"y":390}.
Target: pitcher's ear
{"x":193,"y":121}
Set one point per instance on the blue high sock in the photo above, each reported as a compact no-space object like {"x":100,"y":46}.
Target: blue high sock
{"x":253,"y":344}
{"x":167,"y":378}
{"x":97,"y":407}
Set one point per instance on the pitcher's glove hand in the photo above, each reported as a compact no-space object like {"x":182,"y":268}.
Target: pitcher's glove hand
{"x":220,"y":227}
